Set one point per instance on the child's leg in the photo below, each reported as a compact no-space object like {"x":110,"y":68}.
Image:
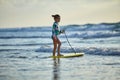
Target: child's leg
{"x":59,"y":44}
{"x":55,"y":45}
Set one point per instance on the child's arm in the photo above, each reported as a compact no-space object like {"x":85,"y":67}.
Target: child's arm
{"x":57,"y":31}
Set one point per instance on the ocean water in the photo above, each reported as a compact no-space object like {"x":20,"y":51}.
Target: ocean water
{"x":24,"y":53}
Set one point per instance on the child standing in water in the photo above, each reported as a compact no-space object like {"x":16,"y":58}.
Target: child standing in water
{"x":55,"y":32}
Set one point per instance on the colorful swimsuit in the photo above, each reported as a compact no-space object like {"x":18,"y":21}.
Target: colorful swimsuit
{"x":55,"y":29}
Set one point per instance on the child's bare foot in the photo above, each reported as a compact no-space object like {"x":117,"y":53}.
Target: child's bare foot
{"x":60,"y":55}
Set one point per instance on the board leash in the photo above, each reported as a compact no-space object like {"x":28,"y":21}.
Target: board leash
{"x":69,"y":43}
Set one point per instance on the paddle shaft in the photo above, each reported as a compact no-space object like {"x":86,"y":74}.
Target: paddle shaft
{"x":69,"y":43}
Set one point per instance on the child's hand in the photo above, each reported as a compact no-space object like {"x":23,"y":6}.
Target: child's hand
{"x":62,"y":31}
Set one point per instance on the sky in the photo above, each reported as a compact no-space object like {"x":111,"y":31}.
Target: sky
{"x":27,"y":13}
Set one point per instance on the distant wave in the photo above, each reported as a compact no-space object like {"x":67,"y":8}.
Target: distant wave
{"x":95,"y":34}
{"x":11,"y":37}
{"x":86,"y":27}
{"x":29,"y":29}
{"x":32,"y":44}
{"x":87,"y":31}
{"x":73,"y":31}
{"x":95,"y":27}
{"x":84,"y":35}
{"x":1,"y":50}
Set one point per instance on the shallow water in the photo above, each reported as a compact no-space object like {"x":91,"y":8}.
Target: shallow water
{"x":37,"y":66}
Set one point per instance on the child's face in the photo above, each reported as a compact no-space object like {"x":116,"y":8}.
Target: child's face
{"x":57,"y":19}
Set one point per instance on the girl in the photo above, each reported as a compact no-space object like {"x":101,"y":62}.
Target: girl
{"x":55,"y":32}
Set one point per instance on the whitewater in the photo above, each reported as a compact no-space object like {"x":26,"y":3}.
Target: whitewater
{"x":24,"y":53}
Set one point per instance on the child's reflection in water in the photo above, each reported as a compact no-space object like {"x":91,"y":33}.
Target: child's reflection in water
{"x":56,"y":69}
